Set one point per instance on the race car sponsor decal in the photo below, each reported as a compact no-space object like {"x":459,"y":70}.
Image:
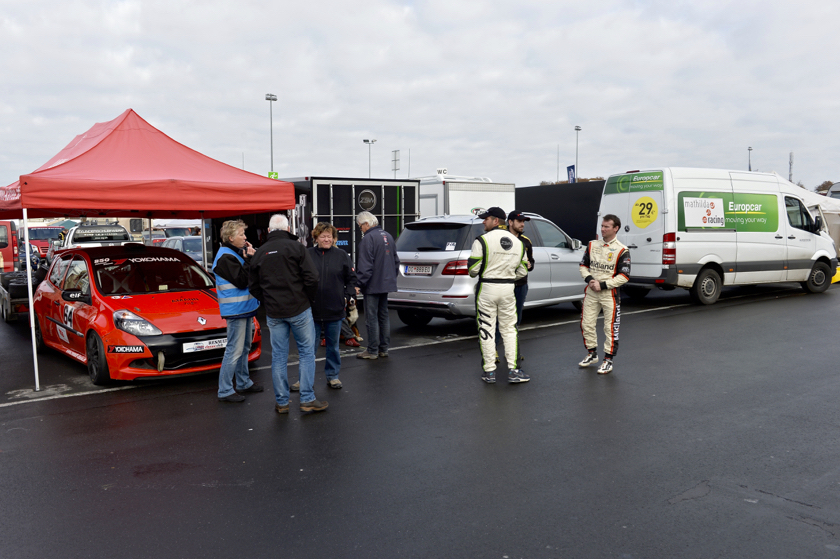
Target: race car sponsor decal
{"x":186,"y":300}
{"x":202,"y":320}
{"x":68,"y":316}
{"x":126,"y":349}
{"x":207,"y":345}
{"x":62,"y":334}
{"x":135,"y":260}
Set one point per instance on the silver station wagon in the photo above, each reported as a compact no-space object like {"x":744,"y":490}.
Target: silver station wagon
{"x":433,"y":279}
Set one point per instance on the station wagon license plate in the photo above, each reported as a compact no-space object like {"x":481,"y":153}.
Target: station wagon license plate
{"x":207,"y":345}
{"x":418,"y":270}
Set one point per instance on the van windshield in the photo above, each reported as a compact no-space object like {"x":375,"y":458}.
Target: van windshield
{"x":429,"y":237}
{"x":44,"y":233}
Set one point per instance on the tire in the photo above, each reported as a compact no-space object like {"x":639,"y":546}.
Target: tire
{"x":636,"y":293}
{"x":706,"y":288}
{"x":414,"y":319}
{"x":578,"y":305}
{"x":39,"y":336}
{"x":97,"y":361}
{"x":819,"y":279}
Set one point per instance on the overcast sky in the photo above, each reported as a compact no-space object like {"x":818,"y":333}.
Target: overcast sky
{"x":481,"y":88}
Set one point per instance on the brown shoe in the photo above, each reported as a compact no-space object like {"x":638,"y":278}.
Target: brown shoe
{"x":281,"y":409}
{"x":383,"y":354}
{"x":314,"y":405}
{"x":295,"y":387}
{"x":366,"y":355}
{"x":334,"y":383}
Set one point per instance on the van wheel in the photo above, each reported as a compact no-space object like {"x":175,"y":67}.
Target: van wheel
{"x":635,"y":292}
{"x":97,"y":361}
{"x":706,"y":288}
{"x":819,"y":279}
{"x":414,"y":319}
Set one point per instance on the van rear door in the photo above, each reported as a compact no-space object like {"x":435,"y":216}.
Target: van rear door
{"x":637,"y":199}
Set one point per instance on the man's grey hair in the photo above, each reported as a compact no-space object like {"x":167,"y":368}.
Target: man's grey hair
{"x":278,"y":222}
{"x":367,"y":217}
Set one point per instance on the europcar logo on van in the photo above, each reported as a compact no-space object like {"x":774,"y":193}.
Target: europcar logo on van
{"x":634,"y":182}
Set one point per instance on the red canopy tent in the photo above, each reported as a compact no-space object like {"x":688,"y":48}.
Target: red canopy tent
{"x":129,"y":168}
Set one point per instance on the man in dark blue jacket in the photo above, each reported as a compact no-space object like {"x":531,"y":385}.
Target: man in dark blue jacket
{"x":376,"y":274}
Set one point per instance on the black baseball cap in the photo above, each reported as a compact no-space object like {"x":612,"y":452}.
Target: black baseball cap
{"x":492,"y":212}
{"x":517,"y":215}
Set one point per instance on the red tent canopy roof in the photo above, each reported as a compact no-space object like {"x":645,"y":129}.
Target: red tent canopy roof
{"x":127,"y":167}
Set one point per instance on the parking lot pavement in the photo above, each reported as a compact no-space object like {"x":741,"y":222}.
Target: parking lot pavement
{"x":714,"y":437}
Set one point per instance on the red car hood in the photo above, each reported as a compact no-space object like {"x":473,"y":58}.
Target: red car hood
{"x":178,"y":311}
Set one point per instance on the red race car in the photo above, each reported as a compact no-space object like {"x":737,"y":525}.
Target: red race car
{"x":132,"y":312}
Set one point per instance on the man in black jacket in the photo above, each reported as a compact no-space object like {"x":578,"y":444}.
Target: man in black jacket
{"x":376,"y":273}
{"x":284,"y":279}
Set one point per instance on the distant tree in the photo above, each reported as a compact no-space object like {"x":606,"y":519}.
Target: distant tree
{"x":823,"y":188}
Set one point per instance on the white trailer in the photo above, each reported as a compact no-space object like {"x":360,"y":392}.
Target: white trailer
{"x":443,"y":194}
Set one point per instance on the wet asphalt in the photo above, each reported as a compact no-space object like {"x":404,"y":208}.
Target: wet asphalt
{"x":716,"y":436}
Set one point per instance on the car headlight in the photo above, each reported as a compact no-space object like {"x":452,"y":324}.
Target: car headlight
{"x":133,"y":324}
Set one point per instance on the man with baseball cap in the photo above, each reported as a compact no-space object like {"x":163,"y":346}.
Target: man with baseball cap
{"x":498,"y":259}
{"x":516,"y":225}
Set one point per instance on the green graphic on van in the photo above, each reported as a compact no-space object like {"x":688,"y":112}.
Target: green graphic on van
{"x":725,"y":210}
{"x":634,"y":182}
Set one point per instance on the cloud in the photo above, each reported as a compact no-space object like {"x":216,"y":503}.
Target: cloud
{"x":482,"y":88}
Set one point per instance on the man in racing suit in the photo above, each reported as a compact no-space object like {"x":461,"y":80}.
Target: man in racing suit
{"x":605,"y":267}
{"x":498,"y":259}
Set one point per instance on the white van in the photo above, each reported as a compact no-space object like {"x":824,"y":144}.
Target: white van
{"x":701,"y":229}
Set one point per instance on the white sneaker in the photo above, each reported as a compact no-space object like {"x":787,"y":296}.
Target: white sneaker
{"x":606,"y":367}
{"x":591,"y":359}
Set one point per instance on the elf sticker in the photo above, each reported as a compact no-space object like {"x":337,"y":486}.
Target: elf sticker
{"x":644,"y":212}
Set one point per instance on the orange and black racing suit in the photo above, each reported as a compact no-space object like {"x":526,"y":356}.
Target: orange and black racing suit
{"x":609,"y":264}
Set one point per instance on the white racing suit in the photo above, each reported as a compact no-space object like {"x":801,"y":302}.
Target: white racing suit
{"x":609,"y":264}
{"x":498,"y":259}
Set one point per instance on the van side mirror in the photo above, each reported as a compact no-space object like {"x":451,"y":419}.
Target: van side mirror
{"x":576,"y":244}
{"x":818,"y":224}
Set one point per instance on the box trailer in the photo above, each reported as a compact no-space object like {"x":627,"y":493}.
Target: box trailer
{"x":444,"y":194}
{"x":338,"y":200}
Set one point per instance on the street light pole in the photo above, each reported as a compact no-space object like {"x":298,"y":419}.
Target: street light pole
{"x":369,"y":143}
{"x":270,"y":97}
{"x":577,"y":135}
{"x":749,"y":159}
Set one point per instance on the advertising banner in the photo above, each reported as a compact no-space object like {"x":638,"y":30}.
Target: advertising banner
{"x":634,"y":182}
{"x":724,"y":210}
{"x":570,"y":170}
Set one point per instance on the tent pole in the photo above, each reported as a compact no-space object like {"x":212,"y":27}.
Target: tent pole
{"x":203,"y":242}
{"x":31,"y":301}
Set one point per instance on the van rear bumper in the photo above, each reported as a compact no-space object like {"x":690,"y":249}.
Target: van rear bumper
{"x":667,"y":277}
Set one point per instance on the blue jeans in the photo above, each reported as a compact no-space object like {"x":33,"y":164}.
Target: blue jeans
{"x":331,"y":331}
{"x":304,"y":331}
{"x":377,"y":322}
{"x":235,"y":362}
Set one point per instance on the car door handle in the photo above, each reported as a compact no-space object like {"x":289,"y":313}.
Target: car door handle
{"x":791,"y":237}
{"x":55,"y":303}
{"x":555,"y":257}
{"x":632,"y":246}
{"x":779,"y":237}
